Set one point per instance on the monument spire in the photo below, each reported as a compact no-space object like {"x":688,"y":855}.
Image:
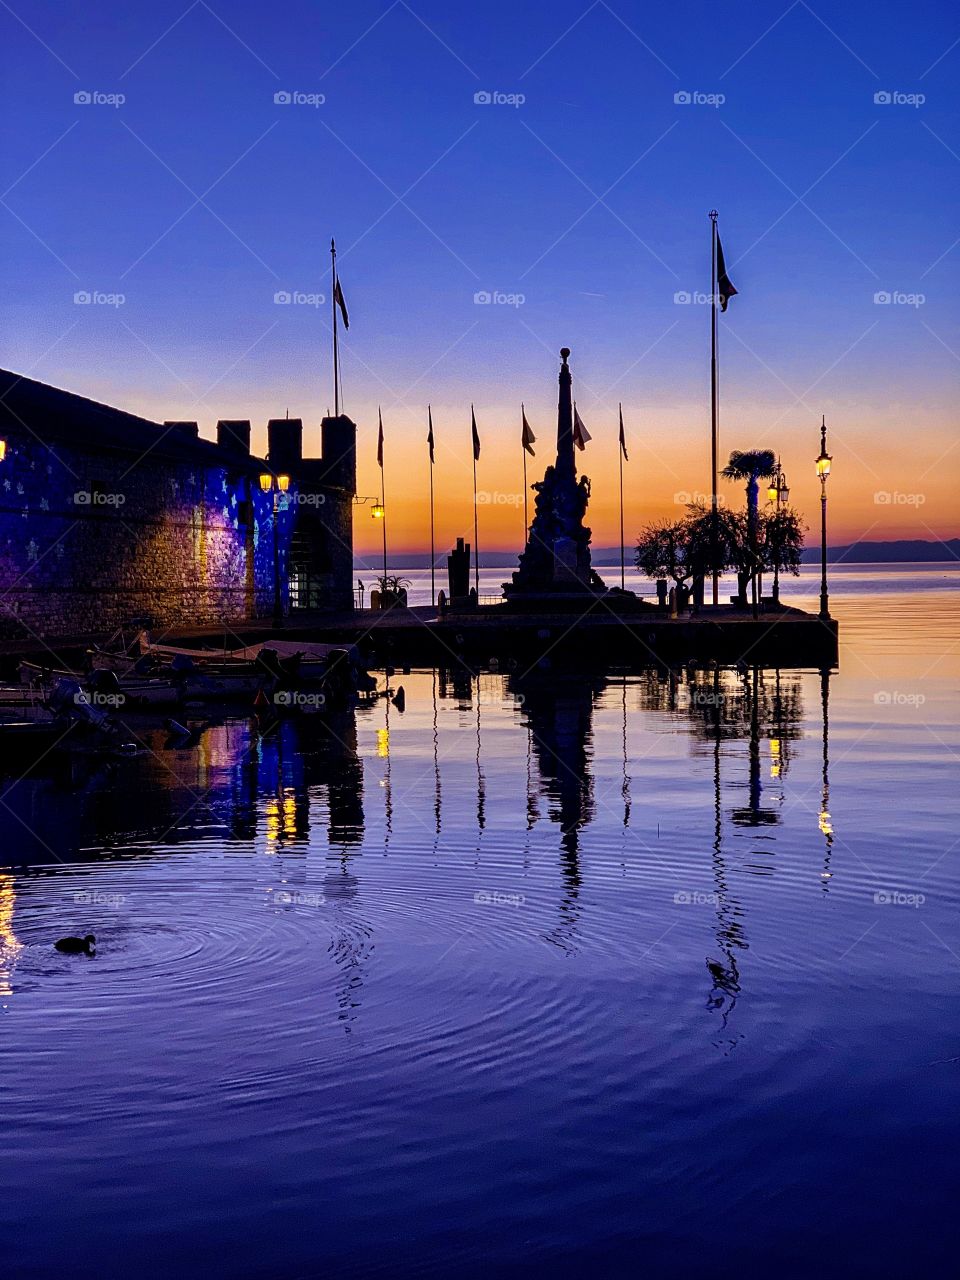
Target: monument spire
{"x":566,"y":460}
{"x":555,"y":563}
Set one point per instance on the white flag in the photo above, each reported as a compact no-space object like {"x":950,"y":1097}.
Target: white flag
{"x":580,"y":433}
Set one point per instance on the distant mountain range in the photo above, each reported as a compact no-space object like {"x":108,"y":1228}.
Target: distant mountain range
{"x":917,"y":550}
{"x":900,"y":552}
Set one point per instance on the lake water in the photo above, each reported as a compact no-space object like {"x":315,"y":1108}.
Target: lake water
{"x":565,"y":974}
{"x":802,"y":590}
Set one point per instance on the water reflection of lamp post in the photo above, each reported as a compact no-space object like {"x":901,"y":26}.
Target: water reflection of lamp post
{"x":825,"y":821}
{"x":276,"y":485}
{"x":823,"y":471}
{"x":779,"y":492}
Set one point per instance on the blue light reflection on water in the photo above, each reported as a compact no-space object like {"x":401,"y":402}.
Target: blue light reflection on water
{"x":636,"y":973}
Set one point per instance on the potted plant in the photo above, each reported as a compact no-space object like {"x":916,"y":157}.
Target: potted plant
{"x":392,"y":591}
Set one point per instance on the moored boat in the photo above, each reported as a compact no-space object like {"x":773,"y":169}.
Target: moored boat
{"x":106,"y":690}
{"x":64,"y":720}
{"x":244,"y":674}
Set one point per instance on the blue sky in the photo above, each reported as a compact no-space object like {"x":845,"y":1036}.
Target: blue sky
{"x":200,"y":197}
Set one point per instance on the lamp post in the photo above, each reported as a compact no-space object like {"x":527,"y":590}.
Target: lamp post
{"x":380,"y":514}
{"x":823,"y":471}
{"x":276,"y":485}
{"x":778,"y":492}
{"x":377,"y":512}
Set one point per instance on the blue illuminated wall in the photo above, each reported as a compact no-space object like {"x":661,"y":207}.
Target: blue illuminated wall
{"x":92,"y":538}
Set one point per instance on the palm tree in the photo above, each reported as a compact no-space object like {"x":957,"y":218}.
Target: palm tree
{"x":751,"y":465}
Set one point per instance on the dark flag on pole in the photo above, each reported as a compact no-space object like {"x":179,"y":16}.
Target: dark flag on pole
{"x":338,"y":299}
{"x":620,"y":461}
{"x":580,"y":433}
{"x":476,"y":523}
{"x":724,"y":284}
{"x":430,"y":432}
{"x":528,"y":439}
{"x":380,"y":442}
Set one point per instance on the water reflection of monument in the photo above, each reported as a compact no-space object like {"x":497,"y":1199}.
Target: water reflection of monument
{"x":721,"y":706}
{"x":559,"y":715}
{"x":559,"y":718}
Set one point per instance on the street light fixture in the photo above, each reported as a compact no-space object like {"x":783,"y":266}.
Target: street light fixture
{"x":778,"y":492}
{"x":275,"y":484}
{"x":823,"y":471}
{"x":376,"y":511}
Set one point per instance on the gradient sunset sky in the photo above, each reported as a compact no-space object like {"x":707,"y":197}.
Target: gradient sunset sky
{"x":825,"y":134}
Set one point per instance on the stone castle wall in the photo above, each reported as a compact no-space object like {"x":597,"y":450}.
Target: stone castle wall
{"x":89,"y":540}
{"x":338,"y":517}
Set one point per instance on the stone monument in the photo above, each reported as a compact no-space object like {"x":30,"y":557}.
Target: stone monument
{"x":555,"y":563}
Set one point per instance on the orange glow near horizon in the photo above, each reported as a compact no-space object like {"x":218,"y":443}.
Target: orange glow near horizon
{"x":875,"y":493}
{"x":889,"y":480}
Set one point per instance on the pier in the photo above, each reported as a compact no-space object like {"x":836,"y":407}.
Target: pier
{"x":422,"y":636}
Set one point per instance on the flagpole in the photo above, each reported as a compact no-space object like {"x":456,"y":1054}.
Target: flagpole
{"x":383,"y":504}
{"x":476,"y":524}
{"x":714,"y":406}
{"x":523,"y":450}
{"x":333,"y":303}
{"x":620,"y":456}
{"x":433,"y":556}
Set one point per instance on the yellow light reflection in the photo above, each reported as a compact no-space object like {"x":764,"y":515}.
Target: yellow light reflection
{"x":271,"y":815}
{"x":9,"y":946}
{"x":280,"y":818}
{"x":774,"y":757}
{"x":383,"y":743}
{"x":826,"y":826}
{"x":289,"y":814}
